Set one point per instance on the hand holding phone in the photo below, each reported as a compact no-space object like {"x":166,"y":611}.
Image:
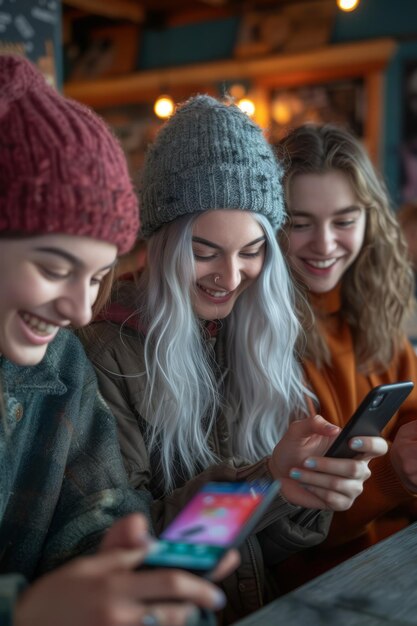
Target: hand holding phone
{"x":219,"y":517}
{"x":371,"y":416}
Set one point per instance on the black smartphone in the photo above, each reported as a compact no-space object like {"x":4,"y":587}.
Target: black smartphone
{"x":371,"y":416}
{"x":220,"y":516}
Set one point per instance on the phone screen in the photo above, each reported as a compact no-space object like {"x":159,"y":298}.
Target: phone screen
{"x":207,"y":526}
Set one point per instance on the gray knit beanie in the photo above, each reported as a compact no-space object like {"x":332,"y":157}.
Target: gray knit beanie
{"x":209,"y":155}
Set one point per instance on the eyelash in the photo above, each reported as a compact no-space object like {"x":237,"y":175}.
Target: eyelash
{"x":250,"y":255}
{"x":199,"y":257}
{"x":344,"y":224}
{"x":96,"y":281}
{"x":55,"y":276}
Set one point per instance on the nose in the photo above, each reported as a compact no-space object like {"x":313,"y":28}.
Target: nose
{"x":75,"y":305}
{"x":230,"y":274}
{"x":324,"y":242}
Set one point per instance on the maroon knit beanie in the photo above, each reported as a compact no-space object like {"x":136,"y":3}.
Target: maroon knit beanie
{"x":61,"y":169}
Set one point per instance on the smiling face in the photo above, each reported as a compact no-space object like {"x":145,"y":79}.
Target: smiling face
{"x":47,"y":282}
{"x":229,"y":251}
{"x":327,"y":228}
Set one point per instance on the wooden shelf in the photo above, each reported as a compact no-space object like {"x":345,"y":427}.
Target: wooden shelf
{"x":327,"y":63}
{"x":115,"y":9}
{"x":366,"y":59}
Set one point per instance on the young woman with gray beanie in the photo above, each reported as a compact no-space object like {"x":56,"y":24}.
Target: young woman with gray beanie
{"x":67,"y":207}
{"x":198,"y":362}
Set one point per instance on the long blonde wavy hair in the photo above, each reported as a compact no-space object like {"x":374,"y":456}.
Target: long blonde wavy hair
{"x":377,"y":289}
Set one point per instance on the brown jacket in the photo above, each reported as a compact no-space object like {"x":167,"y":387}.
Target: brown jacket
{"x":117,"y":351}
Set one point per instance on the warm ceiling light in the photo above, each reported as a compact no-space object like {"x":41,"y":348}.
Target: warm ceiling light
{"x":247,"y":106}
{"x":164,"y":107}
{"x":347,"y":5}
{"x":281,"y":112}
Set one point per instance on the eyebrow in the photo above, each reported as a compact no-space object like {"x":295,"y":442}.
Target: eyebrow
{"x":349,"y":209}
{"x":210,"y":244}
{"x":70,"y":257}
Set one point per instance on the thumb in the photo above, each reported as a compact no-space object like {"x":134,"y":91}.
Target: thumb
{"x":129,"y":532}
{"x":112,"y":561}
{"x":315,"y":425}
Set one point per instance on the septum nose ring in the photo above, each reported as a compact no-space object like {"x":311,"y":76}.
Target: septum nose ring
{"x":216,"y":278}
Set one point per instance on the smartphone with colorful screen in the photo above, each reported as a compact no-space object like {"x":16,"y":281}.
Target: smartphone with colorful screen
{"x":220,"y":516}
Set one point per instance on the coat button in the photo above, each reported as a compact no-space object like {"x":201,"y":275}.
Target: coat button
{"x":242,"y":587}
{"x":18,"y":412}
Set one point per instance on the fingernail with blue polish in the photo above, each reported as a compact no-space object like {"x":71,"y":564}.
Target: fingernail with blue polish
{"x":310,"y":463}
{"x":219,"y":600}
{"x":296,"y":474}
{"x":356,"y":444}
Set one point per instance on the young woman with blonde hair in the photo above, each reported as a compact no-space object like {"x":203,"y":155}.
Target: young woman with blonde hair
{"x":349,"y":260}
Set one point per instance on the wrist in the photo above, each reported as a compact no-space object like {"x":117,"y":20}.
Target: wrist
{"x":272,"y":470}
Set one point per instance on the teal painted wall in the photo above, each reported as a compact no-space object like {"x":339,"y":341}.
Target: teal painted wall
{"x":386,"y":18}
{"x":394,"y":117}
{"x":377,"y":18}
{"x":195,"y":43}
{"x":215,"y":40}
{"x":373,"y":18}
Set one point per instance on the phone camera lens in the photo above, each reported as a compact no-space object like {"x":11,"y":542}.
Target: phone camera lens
{"x":377,"y":401}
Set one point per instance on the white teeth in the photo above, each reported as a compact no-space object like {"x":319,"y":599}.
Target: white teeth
{"x":215,"y":294}
{"x":38,"y":325}
{"x":322,"y":264}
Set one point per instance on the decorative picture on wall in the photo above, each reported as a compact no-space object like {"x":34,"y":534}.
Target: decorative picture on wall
{"x":341,"y":101}
{"x":296,"y":26}
{"x":408,"y":147}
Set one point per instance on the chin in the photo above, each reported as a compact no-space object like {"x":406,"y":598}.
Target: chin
{"x":222,"y":316}
{"x":321,"y":288}
{"x":25,"y":357}
{"x":213,"y":313}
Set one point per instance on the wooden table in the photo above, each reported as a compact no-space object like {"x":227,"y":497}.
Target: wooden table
{"x":374,"y":588}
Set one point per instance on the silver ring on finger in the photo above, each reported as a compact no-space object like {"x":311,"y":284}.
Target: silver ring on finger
{"x":150,"y":619}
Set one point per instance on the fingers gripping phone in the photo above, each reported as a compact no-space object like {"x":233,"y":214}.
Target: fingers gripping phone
{"x":371,"y":416}
{"x":220,"y":516}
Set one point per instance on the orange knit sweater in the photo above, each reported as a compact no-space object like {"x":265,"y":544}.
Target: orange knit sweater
{"x":385,"y":505}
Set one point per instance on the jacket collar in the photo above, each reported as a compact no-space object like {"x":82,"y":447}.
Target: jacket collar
{"x":119,"y":313}
{"x":329,"y":302}
{"x":43,"y":377}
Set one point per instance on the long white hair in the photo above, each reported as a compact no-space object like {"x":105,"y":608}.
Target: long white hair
{"x":259,"y":388}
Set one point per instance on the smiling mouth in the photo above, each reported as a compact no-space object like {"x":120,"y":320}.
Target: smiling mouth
{"x":214,"y":294}
{"x":320,"y":265}
{"x":38,"y":325}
